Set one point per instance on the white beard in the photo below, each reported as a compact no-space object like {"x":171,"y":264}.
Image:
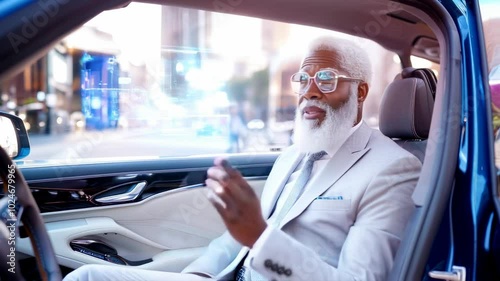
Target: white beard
{"x":310,"y":138}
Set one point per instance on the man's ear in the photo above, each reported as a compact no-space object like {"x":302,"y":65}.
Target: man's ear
{"x":362,"y":92}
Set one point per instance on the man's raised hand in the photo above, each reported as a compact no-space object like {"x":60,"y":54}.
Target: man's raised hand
{"x":236,"y":202}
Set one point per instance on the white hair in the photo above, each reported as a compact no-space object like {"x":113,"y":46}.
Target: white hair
{"x":309,"y":136}
{"x":351,"y":57}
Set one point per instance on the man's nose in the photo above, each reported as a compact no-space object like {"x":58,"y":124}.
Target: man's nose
{"x":313,"y":93}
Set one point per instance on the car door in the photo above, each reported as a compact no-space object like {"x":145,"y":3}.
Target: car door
{"x":473,"y":215}
{"x":152,"y":213}
{"x":460,"y":234}
{"x":448,"y":236}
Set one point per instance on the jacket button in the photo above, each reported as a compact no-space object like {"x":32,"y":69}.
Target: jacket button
{"x":274,"y":267}
{"x":281,"y":270}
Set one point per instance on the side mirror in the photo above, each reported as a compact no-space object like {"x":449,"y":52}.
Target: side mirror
{"x":13,"y":137}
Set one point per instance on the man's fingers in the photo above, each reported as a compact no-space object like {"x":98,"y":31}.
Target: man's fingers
{"x":224,"y":163}
{"x":216,"y":201}
{"x":223,"y":193}
{"x":218,"y":174}
{"x":233,"y":173}
{"x":223,"y":189}
{"x":228,"y":177}
{"x":228,"y":214}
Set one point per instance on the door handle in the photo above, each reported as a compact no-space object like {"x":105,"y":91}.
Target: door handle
{"x":458,"y":274}
{"x":128,"y":196}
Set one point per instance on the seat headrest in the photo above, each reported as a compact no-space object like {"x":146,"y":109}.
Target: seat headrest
{"x":406,"y":107}
{"x":425,"y":74}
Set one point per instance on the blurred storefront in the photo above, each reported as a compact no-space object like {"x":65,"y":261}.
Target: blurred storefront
{"x":100,"y":91}
{"x":47,"y":94}
{"x":39,"y":92}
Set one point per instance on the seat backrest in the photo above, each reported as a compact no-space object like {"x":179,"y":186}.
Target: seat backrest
{"x":406,"y":109}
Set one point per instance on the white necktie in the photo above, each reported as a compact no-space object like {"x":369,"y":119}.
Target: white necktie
{"x":294,"y":194}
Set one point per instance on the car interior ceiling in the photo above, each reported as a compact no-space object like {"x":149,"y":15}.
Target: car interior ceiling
{"x":386,"y":22}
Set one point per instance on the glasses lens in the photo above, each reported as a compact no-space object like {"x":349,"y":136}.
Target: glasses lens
{"x":300,"y":82}
{"x":326,"y":80}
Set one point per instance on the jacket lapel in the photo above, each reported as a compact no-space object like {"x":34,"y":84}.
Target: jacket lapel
{"x":349,"y":153}
{"x":274,"y":185}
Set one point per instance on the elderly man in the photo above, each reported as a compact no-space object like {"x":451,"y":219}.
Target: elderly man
{"x":335,"y":204}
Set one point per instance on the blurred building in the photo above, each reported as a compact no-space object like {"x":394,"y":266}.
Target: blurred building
{"x":47,"y":93}
{"x":183,"y":40}
{"x":492,"y":40}
{"x":40,"y":92}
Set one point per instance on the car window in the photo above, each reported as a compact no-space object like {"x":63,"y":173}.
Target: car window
{"x":490,"y":13}
{"x":150,"y":81}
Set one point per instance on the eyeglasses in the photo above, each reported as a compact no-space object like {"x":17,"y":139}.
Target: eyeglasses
{"x":326,"y":80}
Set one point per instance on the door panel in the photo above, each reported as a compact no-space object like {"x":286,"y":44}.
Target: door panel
{"x":162,"y":229}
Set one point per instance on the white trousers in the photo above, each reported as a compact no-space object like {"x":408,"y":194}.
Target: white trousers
{"x":94,"y":272}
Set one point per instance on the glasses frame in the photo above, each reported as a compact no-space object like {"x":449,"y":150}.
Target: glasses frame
{"x":337,"y":77}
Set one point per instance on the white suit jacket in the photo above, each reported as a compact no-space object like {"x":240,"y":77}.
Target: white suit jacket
{"x":346,"y":226}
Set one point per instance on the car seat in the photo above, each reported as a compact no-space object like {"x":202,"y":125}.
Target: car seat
{"x":405,"y":116}
{"x":406,"y":109}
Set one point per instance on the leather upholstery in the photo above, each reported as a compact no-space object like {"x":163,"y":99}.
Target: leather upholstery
{"x":406,"y":109}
